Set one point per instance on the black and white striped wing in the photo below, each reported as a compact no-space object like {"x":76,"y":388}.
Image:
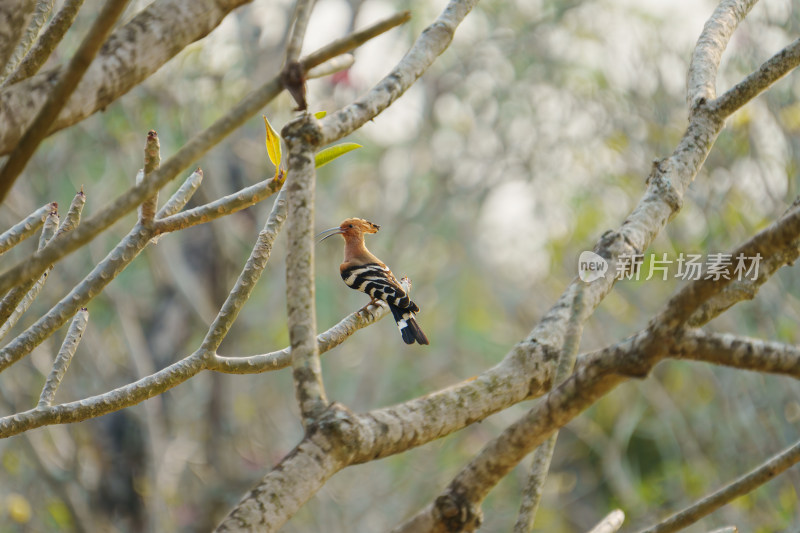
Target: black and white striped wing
{"x":377,"y":281}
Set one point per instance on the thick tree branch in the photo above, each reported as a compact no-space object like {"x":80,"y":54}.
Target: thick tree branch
{"x":58,"y":97}
{"x":37,"y":56}
{"x":298,"y":476}
{"x":717,"y":32}
{"x":14,"y":18}
{"x":302,"y":137}
{"x":133,"y":53}
{"x":40,"y":15}
{"x":740,"y":352}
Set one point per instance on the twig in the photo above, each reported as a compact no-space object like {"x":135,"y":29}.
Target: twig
{"x":25,"y":228}
{"x":182,"y":196}
{"x":47,"y":42}
{"x":48,"y":231}
{"x":747,"y":483}
{"x":331,"y":66}
{"x":64,"y":357}
{"x":13,"y":298}
{"x":152,"y":160}
{"x":58,"y":97}
{"x":353,"y":40}
{"x":302,"y":137}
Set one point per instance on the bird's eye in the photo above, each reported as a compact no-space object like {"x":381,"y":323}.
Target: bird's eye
{"x":350,"y":226}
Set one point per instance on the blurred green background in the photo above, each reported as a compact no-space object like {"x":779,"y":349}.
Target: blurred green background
{"x":528,"y":138}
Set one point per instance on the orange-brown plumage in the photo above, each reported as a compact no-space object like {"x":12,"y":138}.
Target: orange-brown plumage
{"x":364,"y":272}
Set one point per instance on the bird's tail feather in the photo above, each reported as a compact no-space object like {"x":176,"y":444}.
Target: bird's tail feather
{"x":408,"y":326}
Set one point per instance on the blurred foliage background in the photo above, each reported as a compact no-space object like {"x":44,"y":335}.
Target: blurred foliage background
{"x":531,"y":136}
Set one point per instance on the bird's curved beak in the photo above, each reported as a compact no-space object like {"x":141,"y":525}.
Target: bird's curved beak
{"x":330,"y":233}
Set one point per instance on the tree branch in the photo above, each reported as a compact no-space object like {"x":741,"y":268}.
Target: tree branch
{"x":432,"y":42}
{"x":532,"y":492}
{"x":768,"y":73}
{"x":740,"y":352}
{"x":302,"y":138}
{"x":25,"y":228}
{"x":58,"y":97}
{"x":747,"y":483}
{"x":14,"y":18}
{"x":47,"y":42}
{"x":610,"y":523}
{"x":133,"y":52}
{"x":36,"y":264}
{"x":255,"y":364}
{"x":40,"y":14}
{"x":64,"y":357}
{"x":702,"y":79}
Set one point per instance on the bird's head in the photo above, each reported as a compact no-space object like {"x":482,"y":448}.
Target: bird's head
{"x":351,"y":227}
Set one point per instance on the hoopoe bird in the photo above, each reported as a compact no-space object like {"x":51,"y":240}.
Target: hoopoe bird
{"x":364,"y":272}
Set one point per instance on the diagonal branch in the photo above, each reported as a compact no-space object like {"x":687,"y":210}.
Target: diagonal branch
{"x":40,"y":15}
{"x":328,"y":340}
{"x":768,"y":73}
{"x":25,"y":228}
{"x":64,"y":357}
{"x":58,"y":97}
{"x":171,"y":376}
{"x":741,"y":486}
{"x":532,"y":492}
{"x":47,"y":42}
{"x":34,"y":266}
{"x":14,"y":17}
{"x":134,"y":51}
{"x":432,"y":42}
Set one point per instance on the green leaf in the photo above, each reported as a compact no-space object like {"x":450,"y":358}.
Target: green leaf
{"x":273,"y":144}
{"x":320,"y":114}
{"x":330,"y":153}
